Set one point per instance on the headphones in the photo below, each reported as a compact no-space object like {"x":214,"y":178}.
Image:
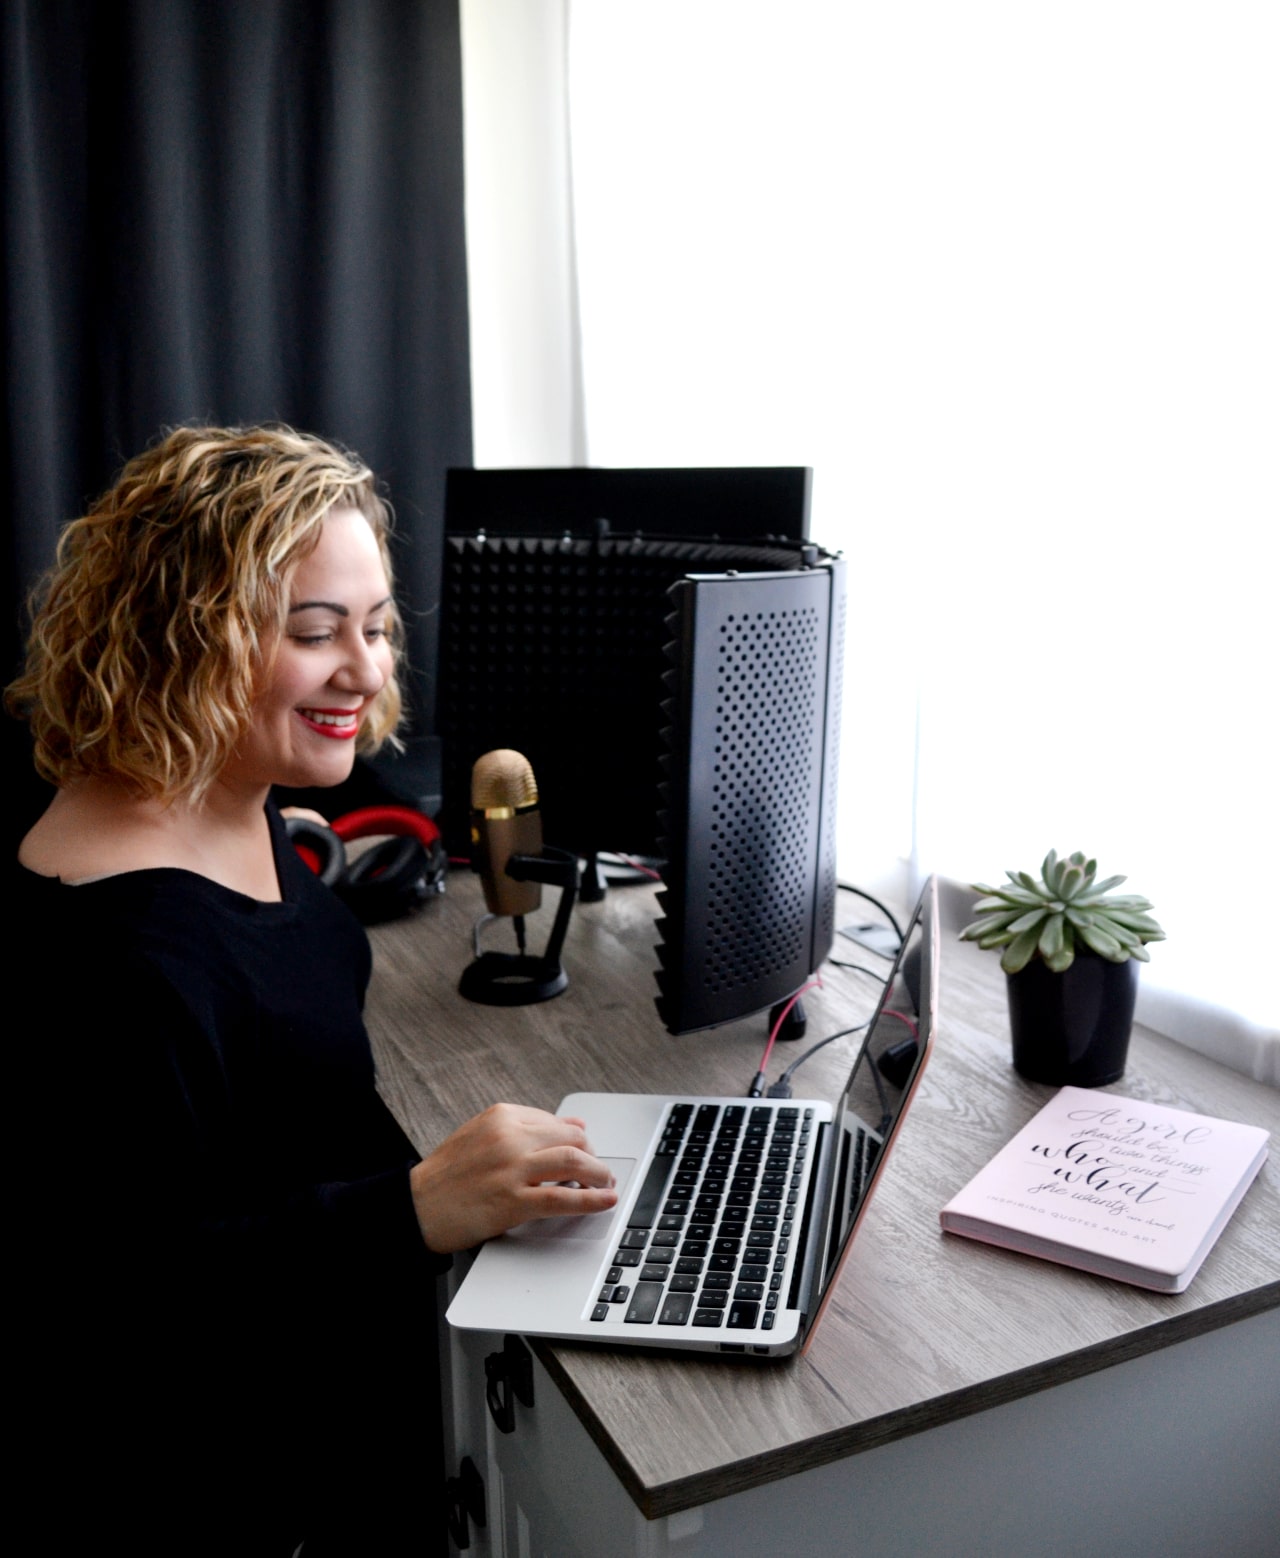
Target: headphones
{"x":388,"y":880}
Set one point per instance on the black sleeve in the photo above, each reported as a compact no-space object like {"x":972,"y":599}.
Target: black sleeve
{"x":246,"y":1342}
{"x":162,"y":1169}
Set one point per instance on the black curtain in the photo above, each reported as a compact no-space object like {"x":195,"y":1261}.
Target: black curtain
{"x":233,"y":211}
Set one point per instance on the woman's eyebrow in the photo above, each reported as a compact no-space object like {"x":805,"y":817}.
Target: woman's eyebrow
{"x":333,"y":605}
{"x":323,"y":605}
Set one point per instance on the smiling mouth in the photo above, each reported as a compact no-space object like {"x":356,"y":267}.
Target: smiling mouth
{"x":338,"y":724}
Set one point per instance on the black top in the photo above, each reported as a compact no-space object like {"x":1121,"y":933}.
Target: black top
{"x":223,"y":1219}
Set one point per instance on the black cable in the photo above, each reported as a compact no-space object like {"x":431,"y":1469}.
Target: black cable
{"x":848,"y":887}
{"x":782,"y":1087}
{"x":859,"y":969}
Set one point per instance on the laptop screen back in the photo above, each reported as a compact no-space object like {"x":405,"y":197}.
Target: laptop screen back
{"x":881,"y":1085}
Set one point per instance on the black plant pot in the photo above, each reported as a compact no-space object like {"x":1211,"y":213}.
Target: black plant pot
{"x":1073,"y":1028}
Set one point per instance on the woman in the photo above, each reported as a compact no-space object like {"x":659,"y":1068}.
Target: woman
{"x":226,"y":1217}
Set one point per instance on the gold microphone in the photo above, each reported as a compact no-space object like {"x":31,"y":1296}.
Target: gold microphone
{"x":505,"y":821}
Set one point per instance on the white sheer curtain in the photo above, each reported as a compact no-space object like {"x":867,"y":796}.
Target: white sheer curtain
{"x":1006,"y":276}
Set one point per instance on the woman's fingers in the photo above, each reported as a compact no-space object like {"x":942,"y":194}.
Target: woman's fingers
{"x":502,"y":1168}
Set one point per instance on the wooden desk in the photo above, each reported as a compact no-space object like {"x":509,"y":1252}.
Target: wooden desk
{"x":956,"y":1397}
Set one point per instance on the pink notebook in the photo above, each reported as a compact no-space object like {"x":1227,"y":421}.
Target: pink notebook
{"x":1126,"y":1189}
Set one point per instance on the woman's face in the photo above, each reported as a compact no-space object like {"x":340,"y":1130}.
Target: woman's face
{"x":333,"y":660}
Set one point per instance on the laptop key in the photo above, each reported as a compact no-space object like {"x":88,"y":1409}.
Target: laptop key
{"x":600,"y":1312}
{"x":651,"y":1194}
{"x":676,"y":1309}
{"x":743,"y":1317}
{"x":644,"y":1303}
{"x":708,"y":1317}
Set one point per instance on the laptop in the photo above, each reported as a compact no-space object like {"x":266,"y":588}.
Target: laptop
{"x":735,"y":1216}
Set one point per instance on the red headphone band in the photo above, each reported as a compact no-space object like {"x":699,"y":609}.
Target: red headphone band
{"x":380,"y":821}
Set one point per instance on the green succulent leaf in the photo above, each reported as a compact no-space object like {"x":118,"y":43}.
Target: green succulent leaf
{"x":1050,"y":943}
{"x":1125,"y":937}
{"x":1073,"y":879}
{"x":1029,"y":920}
{"x":1102,"y":943}
{"x":1132,"y":918}
{"x":985,"y":927}
{"x":1095,"y":890}
{"x":1019,"y":952}
{"x":1011,"y":895}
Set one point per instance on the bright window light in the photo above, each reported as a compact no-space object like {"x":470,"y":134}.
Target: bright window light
{"x":1005,"y":275}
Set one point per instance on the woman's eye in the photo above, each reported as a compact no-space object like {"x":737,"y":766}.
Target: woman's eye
{"x":311,"y":640}
{"x":374,"y":634}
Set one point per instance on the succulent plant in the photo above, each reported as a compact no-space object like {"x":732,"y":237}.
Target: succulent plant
{"x":1065,"y":911}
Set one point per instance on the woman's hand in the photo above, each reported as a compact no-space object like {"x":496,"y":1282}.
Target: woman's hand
{"x":506,"y":1167}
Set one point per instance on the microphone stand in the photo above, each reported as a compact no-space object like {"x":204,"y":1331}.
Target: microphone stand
{"x":518,"y":979}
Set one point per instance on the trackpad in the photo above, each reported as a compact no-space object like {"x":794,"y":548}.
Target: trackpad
{"x":595,"y":1225}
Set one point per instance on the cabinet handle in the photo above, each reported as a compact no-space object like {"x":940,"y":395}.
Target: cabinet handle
{"x":465,"y":1497}
{"x":507,"y":1373}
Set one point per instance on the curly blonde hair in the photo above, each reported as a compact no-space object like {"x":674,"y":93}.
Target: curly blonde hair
{"x":161,"y":616}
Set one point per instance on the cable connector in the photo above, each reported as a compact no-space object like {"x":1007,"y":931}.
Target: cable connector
{"x":779,"y":1090}
{"x":756,"y":1090}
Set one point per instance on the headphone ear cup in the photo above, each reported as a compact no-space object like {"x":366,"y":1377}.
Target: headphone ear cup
{"x":320,"y":848}
{"x":390,"y":879}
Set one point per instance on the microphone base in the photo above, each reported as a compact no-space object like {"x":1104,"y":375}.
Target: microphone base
{"x":511,"y":979}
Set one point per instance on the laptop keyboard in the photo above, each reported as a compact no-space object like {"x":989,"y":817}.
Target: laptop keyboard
{"x":708,"y":1240}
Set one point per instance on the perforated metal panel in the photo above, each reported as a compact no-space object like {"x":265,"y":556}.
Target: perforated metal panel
{"x":753,"y":735}
{"x":555,"y":648}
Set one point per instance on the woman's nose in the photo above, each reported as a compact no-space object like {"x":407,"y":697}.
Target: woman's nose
{"x":364,"y":668}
